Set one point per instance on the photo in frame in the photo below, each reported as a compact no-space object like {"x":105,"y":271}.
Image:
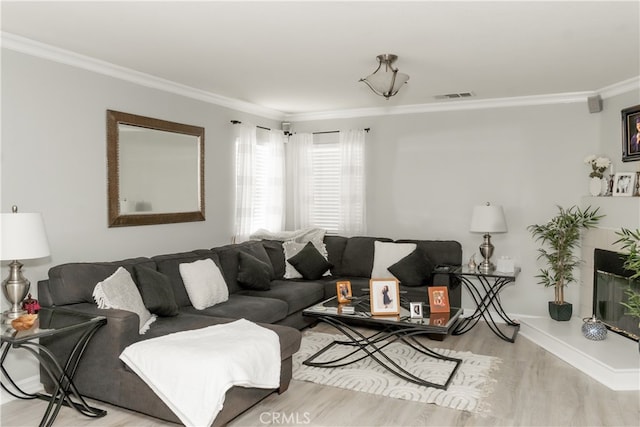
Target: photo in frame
{"x":343,"y":290}
{"x":416,"y":310}
{"x":631,"y":134}
{"x":623,"y":184}
{"x":439,"y":299}
{"x":384,"y":297}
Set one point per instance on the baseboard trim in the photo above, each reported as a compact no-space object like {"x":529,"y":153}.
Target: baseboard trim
{"x":28,"y":385}
{"x":613,"y":362}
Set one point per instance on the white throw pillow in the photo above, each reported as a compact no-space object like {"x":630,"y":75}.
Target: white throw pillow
{"x":119,"y":291}
{"x":291,"y":248}
{"x":204,"y":283}
{"x":386,"y":254}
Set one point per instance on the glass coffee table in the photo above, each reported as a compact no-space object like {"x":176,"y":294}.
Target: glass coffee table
{"x":388,"y":329}
{"x":53,"y":324}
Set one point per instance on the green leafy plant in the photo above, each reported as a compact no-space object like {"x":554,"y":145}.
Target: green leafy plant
{"x":630,"y":240}
{"x":561,"y":234}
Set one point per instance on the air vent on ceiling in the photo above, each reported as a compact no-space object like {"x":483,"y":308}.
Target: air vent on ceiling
{"x":458,"y":95}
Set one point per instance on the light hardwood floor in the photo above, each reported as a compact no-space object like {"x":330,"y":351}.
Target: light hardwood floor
{"x":533,"y":388}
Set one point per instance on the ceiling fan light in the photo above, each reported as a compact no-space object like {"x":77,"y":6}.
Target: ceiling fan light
{"x":385,"y":80}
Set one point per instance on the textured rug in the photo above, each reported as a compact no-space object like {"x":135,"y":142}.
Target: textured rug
{"x":467,"y":391}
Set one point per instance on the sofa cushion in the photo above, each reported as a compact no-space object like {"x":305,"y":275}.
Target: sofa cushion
{"x":276,"y":255}
{"x":335,"y":250}
{"x":253,"y":273}
{"x":439,"y":251}
{"x":156,"y":291}
{"x":228,"y":256}
{"x":386,"y":254}
{"x":297,"y":295}
{"x":169,"y":264}
{"x":253,"y":308}
{"x":357,"y":259}
{"x":309,"y":262}
{"x":413,"y":270}
{"x":74,"y":282}
{"x":119,"y":291}
{"x":204,"y":283}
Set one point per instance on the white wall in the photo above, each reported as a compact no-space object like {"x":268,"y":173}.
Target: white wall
{"x":54,"y":162}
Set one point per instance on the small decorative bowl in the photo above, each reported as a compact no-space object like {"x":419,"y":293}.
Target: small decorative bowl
{"x":594,"y":329}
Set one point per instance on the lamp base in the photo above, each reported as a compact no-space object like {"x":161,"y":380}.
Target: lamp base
{"x":486,"y":250}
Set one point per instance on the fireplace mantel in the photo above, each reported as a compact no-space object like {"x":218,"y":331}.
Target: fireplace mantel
{"x":619,"y":211}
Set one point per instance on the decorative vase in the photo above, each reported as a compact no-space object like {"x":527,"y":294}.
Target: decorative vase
{"x":595,"y":186}
{"x":593,"y":329}
{"x":560,"y":312}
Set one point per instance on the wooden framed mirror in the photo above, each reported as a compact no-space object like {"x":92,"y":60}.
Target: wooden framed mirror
{"x":155,"y":171}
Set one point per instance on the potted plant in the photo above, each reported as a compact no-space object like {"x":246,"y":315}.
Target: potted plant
{"x":562,"y":235}
{"x":630,"y":240}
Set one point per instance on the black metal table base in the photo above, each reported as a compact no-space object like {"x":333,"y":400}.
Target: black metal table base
{"x":373,"y":346}
{"x":486,"y":297}
{"x":65,"y":392}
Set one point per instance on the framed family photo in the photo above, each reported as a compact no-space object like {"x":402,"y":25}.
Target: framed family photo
{"x":344,"y":291}
{"x":416,"y":310}
{"x":438,"y":299}
{"x":631,"y":134}
{"x":385,"y":297}
{"x":624,"y":184}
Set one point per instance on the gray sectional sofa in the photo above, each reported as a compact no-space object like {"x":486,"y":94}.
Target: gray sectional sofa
{"x":102,"y":376}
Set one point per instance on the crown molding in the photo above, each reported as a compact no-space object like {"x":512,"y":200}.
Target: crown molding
{"x":63,"y":56}
{"x":625,"y":86}
{"x":563,"y":98}
{"x":45,"y":51}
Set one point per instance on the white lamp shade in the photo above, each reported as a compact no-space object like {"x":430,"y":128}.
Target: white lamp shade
{"x":488,"y":219}
{"x":22,"y":236}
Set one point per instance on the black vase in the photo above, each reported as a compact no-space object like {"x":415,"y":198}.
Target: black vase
{"x":560,"y":312}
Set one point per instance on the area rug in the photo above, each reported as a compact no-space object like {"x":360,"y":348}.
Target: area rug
{"x":467,"y":391}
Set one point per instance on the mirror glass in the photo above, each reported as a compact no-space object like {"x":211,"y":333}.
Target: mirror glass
{"x":156,"y":170}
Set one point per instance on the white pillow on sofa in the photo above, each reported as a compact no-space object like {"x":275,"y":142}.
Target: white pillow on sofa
{"x":386,"y":254}
{"x":204,"y":283}
{"x":119,"y":291}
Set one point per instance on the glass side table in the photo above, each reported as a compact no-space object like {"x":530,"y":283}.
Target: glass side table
{"x":485,"y":290}
{"x":50,"y":324}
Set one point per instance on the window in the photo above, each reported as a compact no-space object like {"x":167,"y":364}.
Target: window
{"x":325,"y":182}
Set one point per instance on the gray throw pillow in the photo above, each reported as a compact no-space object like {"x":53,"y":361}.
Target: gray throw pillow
{"x":155,"y":289}
{"x":253,"y":273}
{"x":310,"y":263}
{"x":414,"y":269}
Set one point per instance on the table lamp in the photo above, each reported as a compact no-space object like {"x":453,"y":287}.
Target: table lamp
{"x":487,"y":219}
{"x":22,"y":236}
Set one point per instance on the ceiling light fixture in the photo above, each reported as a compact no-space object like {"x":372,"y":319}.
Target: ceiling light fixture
{"x":386,"y":81}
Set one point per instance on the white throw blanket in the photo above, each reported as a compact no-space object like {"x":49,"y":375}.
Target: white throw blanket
{"x":192,"y":370}
{"x":300,"y":236}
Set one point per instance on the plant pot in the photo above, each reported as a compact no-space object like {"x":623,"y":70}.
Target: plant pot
{"x":595,"y":186}
{"x":560,"y":312}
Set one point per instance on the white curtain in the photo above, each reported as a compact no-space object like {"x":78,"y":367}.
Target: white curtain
{"x":274,"y":197}
{"x":260,"y":191}
{"x":299,"y":174}
{"x":245,"y":141}
{"x":352,"y":196}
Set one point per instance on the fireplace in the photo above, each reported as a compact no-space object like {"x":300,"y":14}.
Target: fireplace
{"x":610,"y":280}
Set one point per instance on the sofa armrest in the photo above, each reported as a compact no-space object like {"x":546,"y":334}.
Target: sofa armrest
{"x":102,"y":352}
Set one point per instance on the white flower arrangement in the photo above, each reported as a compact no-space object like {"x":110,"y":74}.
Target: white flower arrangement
{"x":598,"y":165}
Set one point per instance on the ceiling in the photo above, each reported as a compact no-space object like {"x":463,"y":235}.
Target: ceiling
{"x":307,"y":57}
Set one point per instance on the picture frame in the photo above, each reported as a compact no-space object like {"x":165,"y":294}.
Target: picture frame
{"x":384,"y":297}
{"x":439,"y":299}
{"x":343,"y":290}
{"x":415,"y":309}
{"x":631,"y":134}
{"x":624,"y":184}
